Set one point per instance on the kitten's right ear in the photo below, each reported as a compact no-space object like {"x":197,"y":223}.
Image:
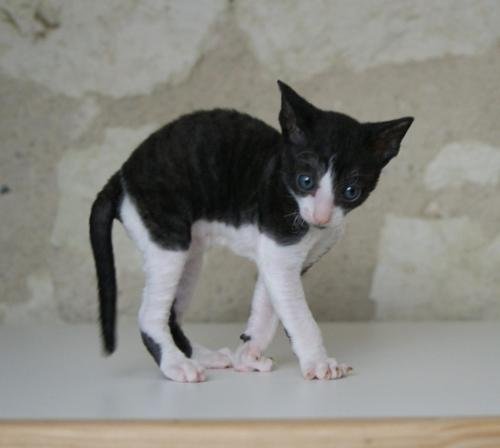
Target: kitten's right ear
{"x":296,"y":115}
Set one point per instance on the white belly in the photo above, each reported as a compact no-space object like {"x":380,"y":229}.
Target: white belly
{"x":241,"y":240}
{"x":244,"y":240}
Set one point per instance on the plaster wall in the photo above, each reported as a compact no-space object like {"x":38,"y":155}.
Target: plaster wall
{"x":82,"y":83}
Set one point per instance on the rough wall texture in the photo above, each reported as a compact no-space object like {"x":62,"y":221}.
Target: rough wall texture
{"x":82,"y":83}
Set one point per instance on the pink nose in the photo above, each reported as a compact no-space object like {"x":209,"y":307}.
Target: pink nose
{"x":322,"y":217}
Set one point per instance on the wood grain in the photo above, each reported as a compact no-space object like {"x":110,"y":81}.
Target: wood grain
{"x":386,"y":433}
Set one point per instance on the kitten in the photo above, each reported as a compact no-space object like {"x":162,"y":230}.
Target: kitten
{"x":223,"y":177}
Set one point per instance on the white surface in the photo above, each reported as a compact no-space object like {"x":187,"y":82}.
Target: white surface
{"x":401,"y":369}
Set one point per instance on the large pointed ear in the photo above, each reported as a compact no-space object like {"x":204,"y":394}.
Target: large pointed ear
{"x":296,"y":115}
{"x":385,"y":137}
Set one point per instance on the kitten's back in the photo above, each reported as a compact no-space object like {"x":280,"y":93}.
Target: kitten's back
{"x":205,"y":165}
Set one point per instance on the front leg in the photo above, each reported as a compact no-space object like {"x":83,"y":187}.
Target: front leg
{"x":259,"y":333}
{"x":280,"y":267}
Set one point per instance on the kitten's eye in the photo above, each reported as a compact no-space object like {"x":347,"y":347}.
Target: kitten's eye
{"x":305,"y":182}
{"x":351,"y":193}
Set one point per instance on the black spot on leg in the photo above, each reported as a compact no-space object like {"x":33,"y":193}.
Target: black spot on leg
{"x":153,"y":347}
{"x":287,"y":334}
{"x":180,"y":339}
{"x":245,"y":338}
{"x":305,"y":269}
{"x":178,"y":335}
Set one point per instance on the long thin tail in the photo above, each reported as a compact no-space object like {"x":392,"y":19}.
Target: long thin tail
{"x":104,"y":211}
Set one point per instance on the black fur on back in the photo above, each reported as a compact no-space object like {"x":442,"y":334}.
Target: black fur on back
{"x":215,"y":165}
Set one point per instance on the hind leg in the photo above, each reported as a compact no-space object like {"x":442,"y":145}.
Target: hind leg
{"x":210,"y":359}
{"x":183,"y":295}
{"x":163,"y":270}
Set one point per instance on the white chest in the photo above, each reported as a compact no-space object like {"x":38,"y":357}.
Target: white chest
{"x":324,"y":242}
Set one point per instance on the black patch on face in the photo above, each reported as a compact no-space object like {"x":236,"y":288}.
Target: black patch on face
{"x":356,"y":151}
{"x":180,"y":339}
{"x":153,"y":347}
{"x":359,"y":164}
{"x":225,"y":166}
{"x":245,"y":338}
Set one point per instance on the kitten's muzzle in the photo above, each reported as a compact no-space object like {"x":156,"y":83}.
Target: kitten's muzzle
{"x":322,"y":219}
{"x":323,"y":210}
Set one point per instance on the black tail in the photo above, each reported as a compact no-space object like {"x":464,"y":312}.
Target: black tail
{"x":104,"y":211}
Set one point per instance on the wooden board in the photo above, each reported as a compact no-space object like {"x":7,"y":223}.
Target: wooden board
{"x":386,"y":433}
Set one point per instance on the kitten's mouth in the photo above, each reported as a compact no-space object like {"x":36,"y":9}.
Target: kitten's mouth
{"x":313,"y":223}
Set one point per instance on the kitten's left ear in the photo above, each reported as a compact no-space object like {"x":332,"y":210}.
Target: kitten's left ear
{"x":385,"y":137}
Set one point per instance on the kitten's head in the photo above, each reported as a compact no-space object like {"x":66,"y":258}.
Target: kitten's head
{"x":331,"y":162}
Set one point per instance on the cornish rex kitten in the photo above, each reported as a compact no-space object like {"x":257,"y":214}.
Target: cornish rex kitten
{"x":223,"y":177}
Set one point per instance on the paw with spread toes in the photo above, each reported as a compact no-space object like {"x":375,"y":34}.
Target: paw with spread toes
{"x":248,"y":357}
{"x":212,"y":359}
{"x":325,"y":369}
{"x":184,"y":371}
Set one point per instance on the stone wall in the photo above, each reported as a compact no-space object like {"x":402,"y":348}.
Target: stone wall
{"x":83,"y":82}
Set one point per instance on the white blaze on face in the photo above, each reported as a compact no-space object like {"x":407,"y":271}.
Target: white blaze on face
{"x":317,"y":208}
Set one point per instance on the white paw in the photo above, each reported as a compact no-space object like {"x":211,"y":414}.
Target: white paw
{"x":248,"y":358}
{"x":210,"y":359}
{"x":184,"y":371}
{"x":325,"y":369}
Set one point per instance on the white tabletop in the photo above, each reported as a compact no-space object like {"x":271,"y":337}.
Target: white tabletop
{"x":56,"y":371}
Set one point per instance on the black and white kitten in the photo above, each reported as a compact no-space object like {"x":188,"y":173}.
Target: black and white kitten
{"x":223,"y":177}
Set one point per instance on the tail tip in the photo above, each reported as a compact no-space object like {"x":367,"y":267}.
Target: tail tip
{"x":108,"y":346}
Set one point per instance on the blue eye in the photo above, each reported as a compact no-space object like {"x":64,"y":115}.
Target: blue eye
{"x":351,"y":193}
{"x":305,"y":182}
